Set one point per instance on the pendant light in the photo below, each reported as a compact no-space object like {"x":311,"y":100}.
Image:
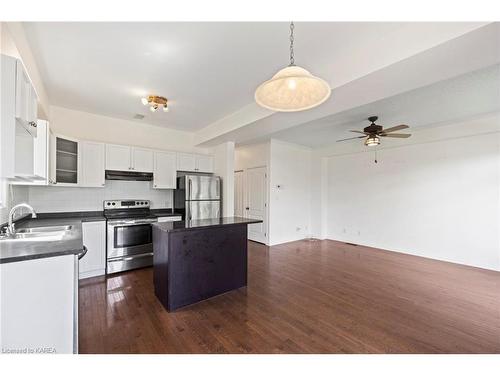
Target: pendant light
{"x":293,"y":88}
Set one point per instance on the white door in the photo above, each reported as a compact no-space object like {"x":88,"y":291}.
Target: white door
{"x":238,"y":194}
{"x":142,"y":160}
{"x":118,"y":158}
{"x":92,"y":164}
{"x":186,"y":162}
{"x":165,"y":170}
{"x":204,"y":163}
{"x":256,"y":203}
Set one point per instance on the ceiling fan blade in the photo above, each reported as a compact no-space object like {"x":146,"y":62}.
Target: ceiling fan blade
{"x":397,"y":135}
{"x":395,"y":128}
{"x":358,"y":131}
{"x":348,"y":139}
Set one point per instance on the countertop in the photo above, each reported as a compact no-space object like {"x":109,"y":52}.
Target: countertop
{"x":71,"y":243}
{"x":175,"y":226}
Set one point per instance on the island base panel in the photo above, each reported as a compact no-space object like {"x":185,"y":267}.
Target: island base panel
{"x":201,"y":264}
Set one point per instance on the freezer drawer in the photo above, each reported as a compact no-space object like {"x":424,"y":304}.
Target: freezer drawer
{"x":128,"y":263}
{"x":202,"y":210}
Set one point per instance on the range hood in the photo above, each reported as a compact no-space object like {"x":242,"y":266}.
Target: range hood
{"x":128,"y":176}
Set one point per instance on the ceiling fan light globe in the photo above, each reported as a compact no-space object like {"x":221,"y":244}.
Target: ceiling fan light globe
{"x":292,"y":89}
{"x":144,"y":101}
{"x":372,"y":141}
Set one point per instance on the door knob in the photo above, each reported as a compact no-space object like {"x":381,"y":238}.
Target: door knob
{"x":247,"y":208}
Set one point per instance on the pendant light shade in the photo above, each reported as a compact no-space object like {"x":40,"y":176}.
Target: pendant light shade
{"x":293,"y":88}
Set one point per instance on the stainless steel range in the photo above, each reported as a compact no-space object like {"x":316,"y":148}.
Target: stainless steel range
{"x":129,"y":243}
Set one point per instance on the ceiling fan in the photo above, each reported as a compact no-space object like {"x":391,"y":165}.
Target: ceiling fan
{"x":373,"y":132}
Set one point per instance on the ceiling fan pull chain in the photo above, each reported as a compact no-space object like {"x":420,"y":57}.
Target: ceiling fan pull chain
{"x":376,"y":157}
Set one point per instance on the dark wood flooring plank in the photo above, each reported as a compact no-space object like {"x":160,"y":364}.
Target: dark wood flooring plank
{"x":304,"y":297}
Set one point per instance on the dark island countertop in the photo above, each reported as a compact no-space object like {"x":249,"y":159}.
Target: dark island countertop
{"x":176,"y":226}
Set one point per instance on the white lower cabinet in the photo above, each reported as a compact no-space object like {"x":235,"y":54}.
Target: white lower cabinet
{"x":169,"y":218}
{"x":94,"y":239}
{"x":39,"y":306}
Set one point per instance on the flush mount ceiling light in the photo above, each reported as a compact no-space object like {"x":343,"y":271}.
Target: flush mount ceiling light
{"x":293,"y":88}
{"x":155,"y":102}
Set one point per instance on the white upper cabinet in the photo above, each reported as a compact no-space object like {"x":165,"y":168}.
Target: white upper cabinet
{"x":186,"y":162}
{"x":118,"y":158}
{"x":92,"y":165}
{"x":41,"y":152}
{"x":204,"y":163}
{"x":195,"y":163}
{"x":65,"y":155}
{"x":165,"y":170}
{"x":17,"y":129}
{"x":142,"y":160}
{"x":26,"y":100}
{"x":40,"y":156}
{"x":127,"y":158}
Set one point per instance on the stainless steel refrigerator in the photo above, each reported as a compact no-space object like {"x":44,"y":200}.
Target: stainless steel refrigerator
{"x":198,"y":197}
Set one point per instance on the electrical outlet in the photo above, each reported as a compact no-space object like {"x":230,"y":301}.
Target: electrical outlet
{"x":298,"y":229}
{"x":359,"y":233}
{"x":343,"y":230}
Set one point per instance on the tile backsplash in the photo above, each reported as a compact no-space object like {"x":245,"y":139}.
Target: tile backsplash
{"x":59,"y":199}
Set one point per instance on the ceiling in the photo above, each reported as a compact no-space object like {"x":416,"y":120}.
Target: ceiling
{"x":465,"y":96}
{"x":206,"y":70}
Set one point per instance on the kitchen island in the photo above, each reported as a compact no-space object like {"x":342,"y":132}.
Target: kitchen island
{"x":198,"y":259}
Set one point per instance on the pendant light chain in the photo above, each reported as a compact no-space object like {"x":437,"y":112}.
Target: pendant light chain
{"x":292,"y":59}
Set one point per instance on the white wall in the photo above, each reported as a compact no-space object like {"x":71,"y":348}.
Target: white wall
{"x":88,"y":126}
{"x":434,"y":199}
{"x":290,"y":203}
{"x":252,"y":156}
{"x":60,"y":199}
{"x":224,"y":167}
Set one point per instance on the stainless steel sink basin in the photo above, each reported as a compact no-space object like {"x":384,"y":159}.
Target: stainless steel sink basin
{"x":55,"y":233}
{"x":34,"y":230}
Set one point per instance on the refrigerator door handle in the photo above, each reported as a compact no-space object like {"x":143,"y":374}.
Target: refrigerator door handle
{"x":189,"y":189}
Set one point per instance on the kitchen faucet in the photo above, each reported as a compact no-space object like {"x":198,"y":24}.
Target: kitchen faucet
{"x":11,"y":229}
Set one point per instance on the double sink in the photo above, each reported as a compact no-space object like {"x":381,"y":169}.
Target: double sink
{"x":50,"y":233}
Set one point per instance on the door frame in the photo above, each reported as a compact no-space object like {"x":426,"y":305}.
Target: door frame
{"x":244,"y":172}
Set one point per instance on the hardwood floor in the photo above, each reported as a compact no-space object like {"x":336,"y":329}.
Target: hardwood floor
{"x":305,"y":297}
